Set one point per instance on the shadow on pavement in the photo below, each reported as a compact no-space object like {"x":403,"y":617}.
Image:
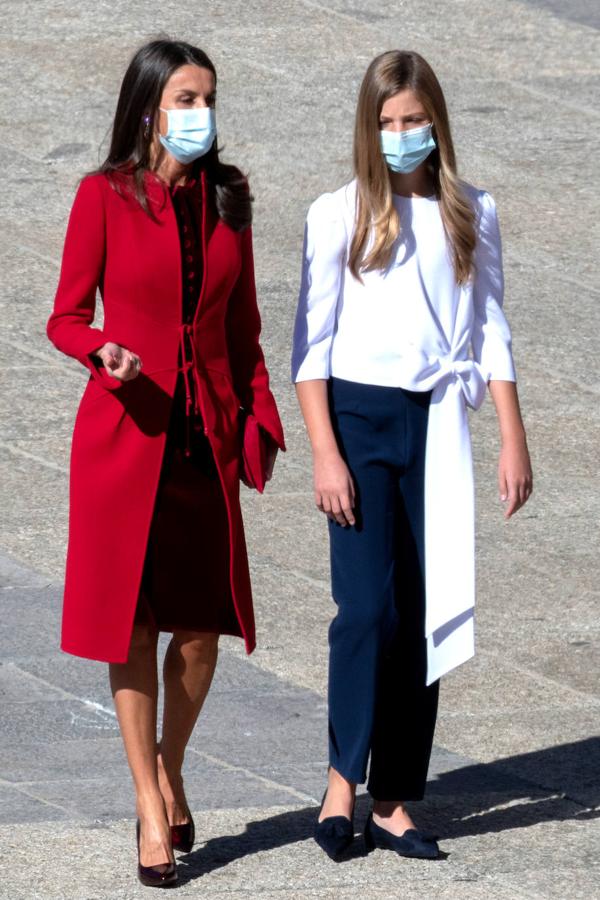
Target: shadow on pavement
{"x":555,"y":784}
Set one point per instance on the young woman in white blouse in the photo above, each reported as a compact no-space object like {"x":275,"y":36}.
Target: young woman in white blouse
{"x":399,"y":328}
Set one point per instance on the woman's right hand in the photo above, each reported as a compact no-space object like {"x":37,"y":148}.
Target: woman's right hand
{"x":334,"y":488}
{"x":119,"y":362}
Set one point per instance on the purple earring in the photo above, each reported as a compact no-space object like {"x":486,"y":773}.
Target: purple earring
{"x":147,"y":127}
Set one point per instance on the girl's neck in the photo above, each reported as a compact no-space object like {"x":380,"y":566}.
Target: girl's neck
{"x":413,"y":184}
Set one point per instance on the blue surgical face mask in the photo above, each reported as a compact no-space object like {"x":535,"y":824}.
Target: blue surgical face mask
{"x":190,"y":132}
{"x":405,"y":150}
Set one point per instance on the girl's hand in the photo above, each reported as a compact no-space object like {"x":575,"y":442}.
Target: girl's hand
{"x":119,"y":362}
{"x":515,"y":480}
{"x":334,"y":488}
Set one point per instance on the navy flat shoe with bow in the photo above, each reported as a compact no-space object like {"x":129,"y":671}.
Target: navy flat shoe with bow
{"x":334,"y":834}
{"x":412,"y":843}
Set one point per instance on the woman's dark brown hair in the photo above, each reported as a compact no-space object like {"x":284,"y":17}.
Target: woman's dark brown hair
{"x":128,"y":158}
{"x":376,"y":215}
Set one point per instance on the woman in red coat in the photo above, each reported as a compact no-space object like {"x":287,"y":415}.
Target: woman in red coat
{"x":156,"y":540}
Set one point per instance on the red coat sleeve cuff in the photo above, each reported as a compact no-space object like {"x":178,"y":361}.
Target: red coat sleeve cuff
{"x":269,"y":421}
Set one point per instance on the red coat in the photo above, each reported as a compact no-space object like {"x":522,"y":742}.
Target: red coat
{"x":120,"y":429}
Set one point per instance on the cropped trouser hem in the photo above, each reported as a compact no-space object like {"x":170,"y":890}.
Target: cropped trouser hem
{"x":400,"y":795}
{"x":354,"y":776}
{"x":386,"y":790}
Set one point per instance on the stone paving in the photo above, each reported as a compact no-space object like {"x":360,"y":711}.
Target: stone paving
{"x":514,"y":789}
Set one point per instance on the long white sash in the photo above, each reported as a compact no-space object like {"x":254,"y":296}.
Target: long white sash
{"x":449,"y":504}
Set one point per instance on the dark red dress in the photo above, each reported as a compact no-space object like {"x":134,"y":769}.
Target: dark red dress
{"x":190,"y":516}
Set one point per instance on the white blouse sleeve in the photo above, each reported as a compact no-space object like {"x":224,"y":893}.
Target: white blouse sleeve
{"x":491,"y":338}
{"x":323,"y":261}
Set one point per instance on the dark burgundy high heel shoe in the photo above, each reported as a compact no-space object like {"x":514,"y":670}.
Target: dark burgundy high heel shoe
{"x":162,"y":875}
{"x":183,"y":836}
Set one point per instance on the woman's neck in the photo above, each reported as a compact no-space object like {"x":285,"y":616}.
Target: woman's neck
{"x":413,"y":184}
{"x":169,"y":169}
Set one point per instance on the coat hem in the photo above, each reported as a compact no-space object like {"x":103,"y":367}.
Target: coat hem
{"x":94,"y":656}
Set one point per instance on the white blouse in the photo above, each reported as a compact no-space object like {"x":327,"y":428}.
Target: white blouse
{"x":413,"y":326}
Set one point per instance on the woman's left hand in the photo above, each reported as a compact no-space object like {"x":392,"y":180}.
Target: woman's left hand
{"x":515,"y":479}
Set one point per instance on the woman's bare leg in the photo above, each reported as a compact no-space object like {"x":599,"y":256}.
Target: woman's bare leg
{"x":188,"y":670}
{"x":134,"y":687}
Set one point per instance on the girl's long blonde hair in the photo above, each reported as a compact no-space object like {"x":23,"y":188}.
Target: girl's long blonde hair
{"x":387,"y":75}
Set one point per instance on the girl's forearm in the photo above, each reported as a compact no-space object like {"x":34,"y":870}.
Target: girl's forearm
{"x":314,"y":403}
{"x":506,"y":400}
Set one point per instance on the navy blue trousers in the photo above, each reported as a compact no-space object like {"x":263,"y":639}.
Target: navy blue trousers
{"x":379,"y":704}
